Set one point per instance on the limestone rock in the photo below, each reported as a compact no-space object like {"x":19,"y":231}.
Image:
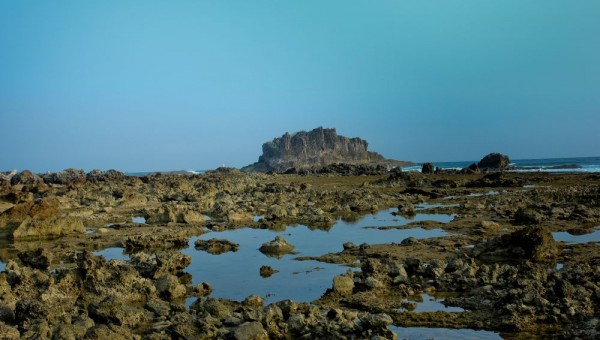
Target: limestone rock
{"x":97,"y":175}
{"x":26,"y":177}
{"x":316,"y":148}
{"x":343,"y":285}
{"x":267,"y":271}
{"x":216,"y":246}
{"x":278,"y":246}
{"x":52,"y":227}
{"x":67,"y":176}
{"x":168,"y":286}
{"x":250,"y":331}
{"x":530,"y":243}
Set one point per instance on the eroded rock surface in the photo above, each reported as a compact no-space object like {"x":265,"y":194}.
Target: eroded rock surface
{"x":315,"y":149}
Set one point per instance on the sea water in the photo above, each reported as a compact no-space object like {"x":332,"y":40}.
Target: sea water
{"x":584,"y":164}
{"x":235,"y":275}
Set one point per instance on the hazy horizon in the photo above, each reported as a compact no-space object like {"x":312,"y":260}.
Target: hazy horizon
{"x":155,"y":85}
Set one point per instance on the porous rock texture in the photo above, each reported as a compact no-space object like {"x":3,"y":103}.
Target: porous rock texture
{"x":314,"y":149}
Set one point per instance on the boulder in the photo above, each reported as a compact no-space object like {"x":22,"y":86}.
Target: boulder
{"x":495,"y":161}
{"x":427,"y":168}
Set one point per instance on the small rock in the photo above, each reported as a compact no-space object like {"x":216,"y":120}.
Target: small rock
{"x":168,"y":286}
{"x":216,"y":246}
{"x":277,"y":246}
{"x":343,"y":285}
{"x":349,"y":245}
{"x":254,"y":301}
{"x":267,"y":271}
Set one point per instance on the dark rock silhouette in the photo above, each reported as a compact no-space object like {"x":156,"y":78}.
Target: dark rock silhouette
{"x":494,"y":161}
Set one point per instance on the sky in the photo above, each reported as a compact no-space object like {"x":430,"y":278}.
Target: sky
{"x":169,"y":85}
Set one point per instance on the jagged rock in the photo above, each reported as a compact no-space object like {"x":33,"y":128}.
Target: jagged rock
{"x":8,"y":332}
{"x":494,"y":161}
{"x":317,"y":148}
{"x":40,"y":218}
{"x":239,"y":217}
{"x":343,"y":285}
{"x":427,"y":168}
{"x":152,"y":241}
{"x":111,"y":311}
{"x":26,"y":177}
{"x":51,"y":227}
{"x":67,"y":176}
{"x":168,"y":286}
{"x":216,"y":246}
{"x":39,"y":259}
{"x":343,"y":169}
{"x":381,"y":320}
{"x":405,"y":209}
{"x":253,"y":301}
{"x":528,"y":216}
{"x":278,"y":246}
{"x":530,"y":243}
{"x":6,"y":176}
{"x":97,"y":175}
{"x":267,"y":271}
{"x":170,"y":213}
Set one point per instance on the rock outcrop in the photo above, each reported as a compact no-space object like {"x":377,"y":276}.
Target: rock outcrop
{"x":315,"y":149}
{"x":494,"y":161}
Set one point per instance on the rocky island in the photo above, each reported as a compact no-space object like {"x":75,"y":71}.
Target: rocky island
{"x":316,"y":149}
{"x":512,"y":254}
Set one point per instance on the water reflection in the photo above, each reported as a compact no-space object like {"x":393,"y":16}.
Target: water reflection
{"x":563,"y":236}
{"x":237,"y":275}
{"x":112,"y":254}
{"x":442,"y":333}
{"x":428,"y":303}
{"x":138,"y":219}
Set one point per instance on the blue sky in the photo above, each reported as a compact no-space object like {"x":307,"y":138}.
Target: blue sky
{"x":166,"y":85}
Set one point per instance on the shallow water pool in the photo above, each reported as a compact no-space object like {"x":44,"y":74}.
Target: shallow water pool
{"x":428,"y":303}
{"x":112,"y":254}
{"x":563,"y":236}
{"x":418,"y":333}
{"x":235,"y":275}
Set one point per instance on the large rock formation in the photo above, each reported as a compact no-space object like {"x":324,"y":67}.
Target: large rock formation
{"x":317,"y":148}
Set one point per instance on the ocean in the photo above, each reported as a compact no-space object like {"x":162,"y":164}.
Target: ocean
{"x":577,"y":164}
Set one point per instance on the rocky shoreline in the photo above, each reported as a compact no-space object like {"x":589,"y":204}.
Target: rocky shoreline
{"x":498,"y":261}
